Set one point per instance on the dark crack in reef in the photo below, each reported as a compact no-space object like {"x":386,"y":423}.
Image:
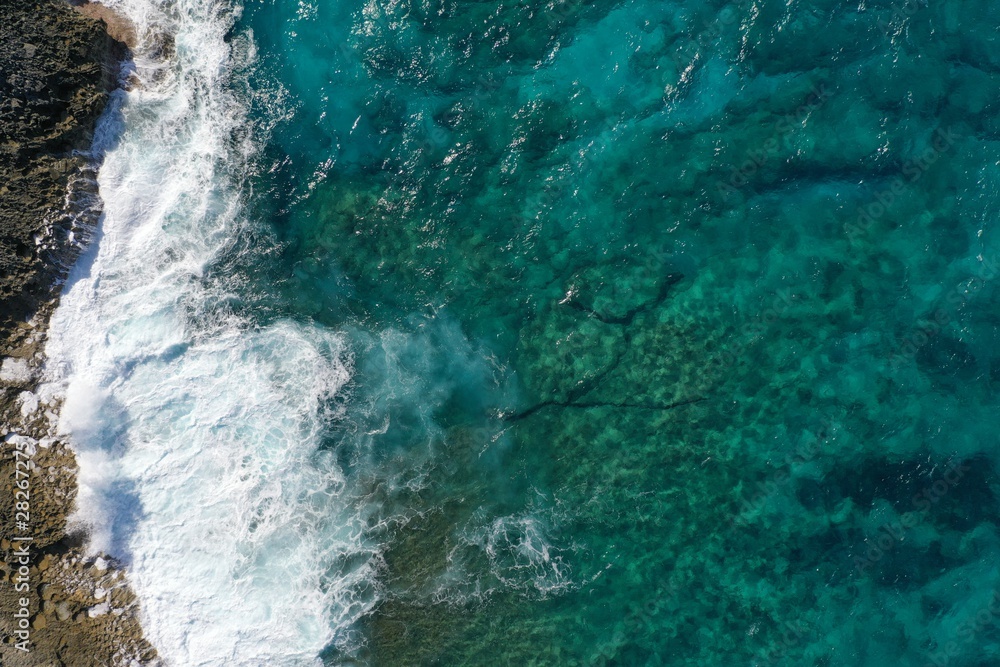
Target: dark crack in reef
{"x":57,"y":66}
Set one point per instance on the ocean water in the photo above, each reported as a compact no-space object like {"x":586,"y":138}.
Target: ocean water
{"x":547,"y":333}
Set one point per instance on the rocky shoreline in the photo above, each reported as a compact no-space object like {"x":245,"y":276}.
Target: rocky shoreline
{"x":58,"y":64}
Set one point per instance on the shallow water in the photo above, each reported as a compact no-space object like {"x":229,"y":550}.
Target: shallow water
{"x":484,"y":333}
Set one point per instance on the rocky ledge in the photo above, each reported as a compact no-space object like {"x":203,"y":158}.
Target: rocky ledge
{"x":58,"y":64}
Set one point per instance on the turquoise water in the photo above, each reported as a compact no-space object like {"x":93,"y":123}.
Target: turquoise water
{"x":577,"y":333}
{"x":696,"y":320}
{"x":701,"y":320}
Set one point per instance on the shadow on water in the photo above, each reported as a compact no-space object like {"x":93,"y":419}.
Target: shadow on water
{"x":126,"y":512}
{"x":104,"y":436}
{"x":121,"y":505}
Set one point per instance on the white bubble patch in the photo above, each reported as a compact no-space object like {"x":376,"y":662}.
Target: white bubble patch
{"x":198,"y":434}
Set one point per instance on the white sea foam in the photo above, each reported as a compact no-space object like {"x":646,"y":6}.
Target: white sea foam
{"x":198,"y":433}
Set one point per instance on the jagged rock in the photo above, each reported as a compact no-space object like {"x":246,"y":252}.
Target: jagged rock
{"x":57,"y":66}
{"x":119,"y":27}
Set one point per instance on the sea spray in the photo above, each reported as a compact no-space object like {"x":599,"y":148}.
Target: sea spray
{"x":197,"y":430}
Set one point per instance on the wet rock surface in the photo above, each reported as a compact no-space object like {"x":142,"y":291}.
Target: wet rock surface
{"x":56,"y":69}
{"x":58,"y":64}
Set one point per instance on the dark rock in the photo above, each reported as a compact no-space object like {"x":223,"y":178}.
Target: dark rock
{"x":57,"y":66}
{"x":56,"y":69}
